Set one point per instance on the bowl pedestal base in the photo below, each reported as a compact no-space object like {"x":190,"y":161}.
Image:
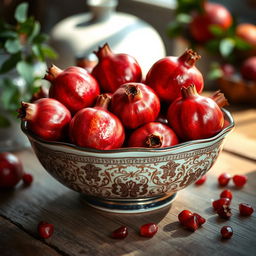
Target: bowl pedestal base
{"x":130,"y":205}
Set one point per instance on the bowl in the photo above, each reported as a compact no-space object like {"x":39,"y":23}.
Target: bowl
{"x":129,"y":180}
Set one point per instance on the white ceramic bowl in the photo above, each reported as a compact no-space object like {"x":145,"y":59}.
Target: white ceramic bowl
{"x":129,"y":179}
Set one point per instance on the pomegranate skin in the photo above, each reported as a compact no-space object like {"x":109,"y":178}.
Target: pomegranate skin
{"x":214,"y":14}
{"x":47,"y":118}
{"x":247,"y":32}
{"x":153,"y":135}
{"x":135,"y":104}
{"x":114,"y":70}
{"x":74,"y":87}
{"x":169,"y":74}
{"x":11,"y":170}
{"x":96,"y":128}
{"x":195,"y":117}
{"x":248,"y":68}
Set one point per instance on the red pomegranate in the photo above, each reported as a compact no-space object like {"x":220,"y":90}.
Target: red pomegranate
{"x":74,"y":87}
{"x":213,"y":15}
{"x":169,"y":74}
{"x":96,"y":127}
{"x":247,"y":32}
{"x":114,"y":70}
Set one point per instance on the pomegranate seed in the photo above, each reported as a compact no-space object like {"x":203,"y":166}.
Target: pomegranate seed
{"x":226,"y":194}
{"x":148,"y":230}
{"x":224,"y":212}
{"x":226,"y":232}
{"x":45,"y":230}
{"x":201,"y":180}
{"x":27,"y":179}
{"x":201,"y":220}
{"x":239,"y":180}
{"x":184,"y":215}
{"x":224,"y":179}
{"x":120,"y":233}
{"x":220,"y":202}
{"x":245,"y":209}
{"x":192,"y":223}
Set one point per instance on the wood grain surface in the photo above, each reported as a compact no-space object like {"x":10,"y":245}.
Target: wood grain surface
{"x":83,"y":230}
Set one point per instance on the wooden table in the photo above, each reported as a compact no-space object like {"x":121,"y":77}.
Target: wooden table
{"x":82,"y":230}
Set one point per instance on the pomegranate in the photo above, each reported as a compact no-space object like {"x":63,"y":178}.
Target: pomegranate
{"x":74,"y":87}
{"x":120,"y":233}
{"x":135,"y":104}
{"x":245,"y":209}
{"x":47,"y":118}
{"x":11,"y":170}
{"x":153,"y":135}
{"x":248,"y":68}
{"x":169,"y":74}
{"x":226,"y":232}
{"x":148,"y":230}
{"x":96,"y":127}
{"x":213,"y":15}
{"x":247,"y":32}
{"x":114,"y":70}
{"x":196,"y":117}
{"x":45,"y":230}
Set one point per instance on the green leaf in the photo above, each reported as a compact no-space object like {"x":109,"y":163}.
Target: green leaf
{"x":215,"y":74}
{"x":227,"y":45}
{"x":4,"y":122}
{"x":174,"y":29}
{"x":183,"y":18}
{"x":212,"y":46}
{"x":242,"y":45}
{"x":216,"y":30}
{"x":35,"y":31}
{"x":21,"y":12}
{"x":48,"y":52}
{"x":37,"y":52}
{"x":41,"y":38}
{"x":8,"y":34}
{"x":10,"y":63}
{"x":12,"y":46}
{"x":26,"y":71}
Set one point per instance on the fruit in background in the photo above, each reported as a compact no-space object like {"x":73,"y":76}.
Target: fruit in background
{"x":114,"y":70}
{"x":135,"y":104}
{"x":213,"y":15}
{"x":153,"y":135}
{"x":11,"y":170}
{"x":248,"y":68}
{"x":194,"y":116}
{"x":228,"y":70}
{"x":247,"y":32}
{"x":46,"y":117}
{"x":96,"y":127}
{"x":74,"y":87}
{"x":169,"y":74}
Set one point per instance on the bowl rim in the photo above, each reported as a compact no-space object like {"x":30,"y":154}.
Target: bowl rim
{"x":132,"y":149}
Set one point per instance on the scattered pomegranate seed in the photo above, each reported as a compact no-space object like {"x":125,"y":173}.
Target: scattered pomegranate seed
{"x":220,"y":202}
{"x":226,"y":232}
{"x":224,"y":212}
{"x":192,"y":223}
{"x":27,"y":179}
{"x":201,"y":220}
{"x":224,"y":179}
{"x":184,"y":215}
{"x":148,"y":230}
{"x":201,"y":180}
{"x":245,"y":209}
{"x":45,"y":230}
{"x":120,"y":233}
{"x":226,"y":194}
{"x":239,"y":180}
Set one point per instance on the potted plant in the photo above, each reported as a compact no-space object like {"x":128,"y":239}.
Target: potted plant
{"x":23,"y":54}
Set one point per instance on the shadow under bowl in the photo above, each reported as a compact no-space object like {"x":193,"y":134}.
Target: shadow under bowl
{"x":129,"y":180}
